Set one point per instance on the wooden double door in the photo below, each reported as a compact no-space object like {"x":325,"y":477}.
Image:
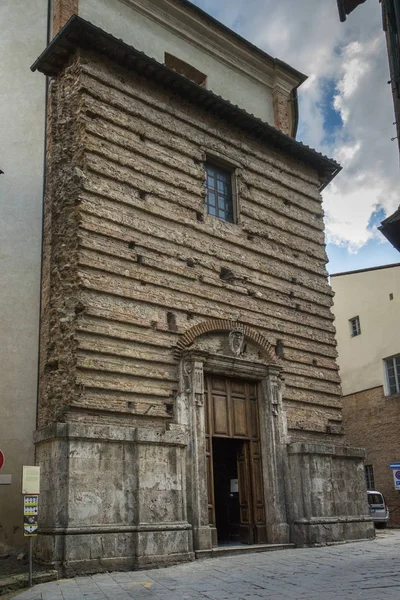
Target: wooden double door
{"x":236,"y":503}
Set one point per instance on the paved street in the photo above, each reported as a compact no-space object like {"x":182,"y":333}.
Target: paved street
{"x":358,"y":570}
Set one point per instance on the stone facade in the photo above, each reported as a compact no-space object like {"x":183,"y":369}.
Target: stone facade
{"x":137,"y":309}
{"x":370,"y":420}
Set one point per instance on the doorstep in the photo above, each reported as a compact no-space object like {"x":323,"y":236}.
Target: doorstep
{"x":241,"y":549}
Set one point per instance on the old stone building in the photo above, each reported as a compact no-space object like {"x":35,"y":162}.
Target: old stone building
{"x":189,"y":393}
{"x":172,"y":31}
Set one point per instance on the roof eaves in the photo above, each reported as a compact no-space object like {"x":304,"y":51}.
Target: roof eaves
{"x":80,"y":33}
{"x":391,"y":218}
{"x":379,"y":268}
{"x":346,"y":7}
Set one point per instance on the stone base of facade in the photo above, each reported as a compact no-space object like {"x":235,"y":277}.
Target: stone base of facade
{"x":113,"y":498}
{"x":74,"y":555}
{"x":321,"y":532}
{"x":116,"y":498}
{"x":328,"y":499}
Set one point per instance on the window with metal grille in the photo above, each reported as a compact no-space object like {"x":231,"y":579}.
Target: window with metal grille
{"x":392,"y":366}
{"x":219,"y":192}
{"x":369,"y":477}
{"x":355,"y":328}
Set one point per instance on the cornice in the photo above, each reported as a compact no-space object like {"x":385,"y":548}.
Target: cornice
{"x":284,"y":81}
{"x":194,"y":30}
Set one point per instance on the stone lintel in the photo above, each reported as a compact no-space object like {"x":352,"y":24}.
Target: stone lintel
{"x":231,"y":366}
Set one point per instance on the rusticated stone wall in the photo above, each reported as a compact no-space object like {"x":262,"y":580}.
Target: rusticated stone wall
{"x":132,"y":260}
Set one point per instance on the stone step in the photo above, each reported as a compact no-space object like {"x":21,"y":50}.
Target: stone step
{"x":240,"y":549}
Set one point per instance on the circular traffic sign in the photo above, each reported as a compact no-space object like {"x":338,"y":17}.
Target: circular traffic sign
{"x":397,"y":474}
{"x":1,"y":459}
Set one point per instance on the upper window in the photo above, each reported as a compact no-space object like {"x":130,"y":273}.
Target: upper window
{"x":369,"y":477}
{"x":392,"y":366}
{"x":219,"y":192}
{"x":355,"y":328}
{"x":185,"y":69}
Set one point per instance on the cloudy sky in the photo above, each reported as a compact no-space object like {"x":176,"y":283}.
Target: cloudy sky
{"x":346,"y":110}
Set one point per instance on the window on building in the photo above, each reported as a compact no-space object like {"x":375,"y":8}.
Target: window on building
{"x":355,"y":328}
{"x":219,"y":192}
{"x":185,"y":69}
{"x":392,"y":367}
{"x":369,"y":477}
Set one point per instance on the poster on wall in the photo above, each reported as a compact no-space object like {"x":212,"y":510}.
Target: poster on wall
{"x":30,"y":480}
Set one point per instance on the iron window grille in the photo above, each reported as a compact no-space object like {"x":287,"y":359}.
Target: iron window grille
{"x":355,"y":328}
{"x":219,"y":198}
{"x":392,"y":366}
{"x":369,"y":477}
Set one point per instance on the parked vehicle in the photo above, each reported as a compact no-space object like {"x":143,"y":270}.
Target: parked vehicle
{"x":378,"y":509}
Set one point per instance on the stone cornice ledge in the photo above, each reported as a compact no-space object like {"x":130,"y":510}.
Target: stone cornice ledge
{"x":330,"y":520}
{"x":174,"y":436}
{"x":328,"y":449}
{"x":117,"y":528}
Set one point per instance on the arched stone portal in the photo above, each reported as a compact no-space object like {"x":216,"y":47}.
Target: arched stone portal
{"x":225,"y":353}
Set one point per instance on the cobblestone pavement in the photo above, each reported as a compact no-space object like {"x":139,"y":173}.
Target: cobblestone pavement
{"x":367,"y":570}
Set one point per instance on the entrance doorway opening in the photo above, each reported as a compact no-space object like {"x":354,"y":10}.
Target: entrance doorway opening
{"x":226,"y":489}
{"x":233,"y":450}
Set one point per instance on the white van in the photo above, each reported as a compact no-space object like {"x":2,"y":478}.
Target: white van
{"x":378,"y":509}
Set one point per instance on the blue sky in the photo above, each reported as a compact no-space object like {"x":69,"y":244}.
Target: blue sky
{"x":346,"y":111}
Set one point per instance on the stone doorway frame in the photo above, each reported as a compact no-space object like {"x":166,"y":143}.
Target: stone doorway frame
{"x":273,"y":437}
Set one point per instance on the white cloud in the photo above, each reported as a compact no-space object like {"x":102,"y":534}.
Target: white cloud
{"x":352,"y":56}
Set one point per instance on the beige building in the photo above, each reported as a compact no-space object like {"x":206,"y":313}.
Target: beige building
{"x":188,"y":390}
{"x":367,"y":309}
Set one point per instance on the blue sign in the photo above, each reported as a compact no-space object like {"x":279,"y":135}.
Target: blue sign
{"x":395,"y":465}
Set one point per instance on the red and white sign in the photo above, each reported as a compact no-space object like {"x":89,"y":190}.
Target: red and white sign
{"x":1,"y":459}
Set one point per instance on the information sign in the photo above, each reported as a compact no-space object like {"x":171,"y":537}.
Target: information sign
{"x":30,"y":480}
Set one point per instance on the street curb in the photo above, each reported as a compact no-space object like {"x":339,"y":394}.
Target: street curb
{"x":18,"y":582}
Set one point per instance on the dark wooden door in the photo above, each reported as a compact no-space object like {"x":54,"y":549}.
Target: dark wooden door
{"x":232,"y":412}
{"x":246,"y":531}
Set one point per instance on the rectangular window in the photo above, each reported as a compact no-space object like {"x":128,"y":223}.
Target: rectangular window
{"x":185,"y":69}
{"x":369,"y":477}
{"x":355,"y":328}
{"x":219,"y":192}
{"x":392,"y":367}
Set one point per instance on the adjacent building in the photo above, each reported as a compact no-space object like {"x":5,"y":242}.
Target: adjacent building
{"x":367,"y":308}
{"x":188,"y":389}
